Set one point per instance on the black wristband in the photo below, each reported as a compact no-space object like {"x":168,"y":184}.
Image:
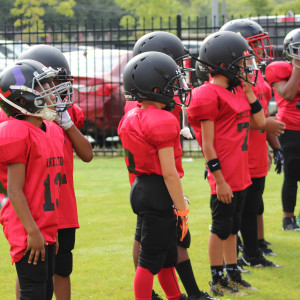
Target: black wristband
{"x":255,"y":107}
{"x":213,"y":165}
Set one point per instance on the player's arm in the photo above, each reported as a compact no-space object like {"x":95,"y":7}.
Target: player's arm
{"x":15,"y":184}
{"x":171,"y":177}
{"x":224,"y":192}
{"x":257,"y":119}
{"x":288,"y":89}
{"x":81,"y":145}
{"x":273,"y":126}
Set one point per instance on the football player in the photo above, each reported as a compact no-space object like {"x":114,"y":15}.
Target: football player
{"x":31,"y":172}
{"x":259,"y":42}
{"x":171,"y":45}
{"x":284,"y":78}
{"x":220,"y":115}
{"x":71,"y":120}
{"x":150,"y":136}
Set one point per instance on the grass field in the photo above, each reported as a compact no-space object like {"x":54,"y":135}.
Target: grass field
{"x":103,"y":267}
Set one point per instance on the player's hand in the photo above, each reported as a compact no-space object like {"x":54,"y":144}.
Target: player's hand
{"x":36,"y":245}
{"x":274,"y":126}
{"x":183,"y":214}
{"x":224,"y":192}
{"x":63,"y":118}
{"x":278,"y":160}
{"x":187,"y":199}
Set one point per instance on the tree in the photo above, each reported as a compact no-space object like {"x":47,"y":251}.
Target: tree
{"x":147,"y":12}
{"x":6,"y":6}
{"x":30,"y":12}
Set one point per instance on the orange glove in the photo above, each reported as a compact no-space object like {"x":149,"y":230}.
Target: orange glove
{"x":184,"y":222}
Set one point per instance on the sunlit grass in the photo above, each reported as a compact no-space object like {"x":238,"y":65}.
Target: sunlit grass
{"x":103,"y":267}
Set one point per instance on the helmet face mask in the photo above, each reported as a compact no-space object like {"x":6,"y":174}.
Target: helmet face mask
{"x":21,"y":81}
{"x":248,"y":70}
{"x":262,"y":46}
{"x":154,"y":76}
{"x":293,"y":50}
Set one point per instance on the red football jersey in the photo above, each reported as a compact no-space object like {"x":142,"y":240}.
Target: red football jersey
{"x":67,"y":212}
{"x":135,"y":104}
{"x":143,"y":132}
{"x":230,"y":113}
{"x":258,"y":152}
{"x":287,"y":110}
{"x":42,"y":153}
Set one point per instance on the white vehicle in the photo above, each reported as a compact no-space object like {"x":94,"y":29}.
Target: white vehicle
{"x":12,"y":49}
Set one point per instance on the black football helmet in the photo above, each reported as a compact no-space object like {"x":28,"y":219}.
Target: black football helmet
{"x":150,"y":70}
{"x":233,"y":51}
{"x":254,"y":34}
{"x":291,"y":45}
{"x":50,"y":56}
{"x":162,"y":41}
{"x":19,"y":81}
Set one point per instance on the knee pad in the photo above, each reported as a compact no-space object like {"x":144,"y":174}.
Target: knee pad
{"x":222,"y":229}
{"x":63,"y":264}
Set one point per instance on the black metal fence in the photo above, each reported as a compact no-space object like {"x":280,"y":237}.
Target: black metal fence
{"x":97,"y":56}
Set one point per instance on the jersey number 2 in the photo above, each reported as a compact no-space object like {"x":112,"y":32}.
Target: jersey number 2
{"x":131,"y":164}
{"x":58,"y":180}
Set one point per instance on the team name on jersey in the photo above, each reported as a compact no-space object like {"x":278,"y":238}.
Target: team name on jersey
{"x":261,"y":97}
{"x":244,"y":114}
{"x":55,"y":161}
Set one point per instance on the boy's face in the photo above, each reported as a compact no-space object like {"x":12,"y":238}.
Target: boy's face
{"x":46,"y":86}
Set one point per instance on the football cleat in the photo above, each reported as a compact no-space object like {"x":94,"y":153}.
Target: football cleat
{"x":290,"y":224}
{"x":238,"y":283}
{"x":298,"y":219}
{"x":155,"y":296}
{"x":202,"y":296}
{"x":262,"y":245}
{"x":221,"y":288}
{"x":240,"y":266}
{"x":258,"y":261}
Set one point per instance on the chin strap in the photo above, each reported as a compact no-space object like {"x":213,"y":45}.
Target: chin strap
{"x":44,"y":113}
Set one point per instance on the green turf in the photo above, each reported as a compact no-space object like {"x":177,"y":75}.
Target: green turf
{"x":103,"y":267}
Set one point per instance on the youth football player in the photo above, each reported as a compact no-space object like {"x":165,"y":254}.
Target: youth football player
{"x":220,"y":115}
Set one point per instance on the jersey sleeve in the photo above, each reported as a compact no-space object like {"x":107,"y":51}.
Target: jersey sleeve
{"x":76,"y":115}
{"x":14,"y":146}
{"x":204,"y":104}
{"x":163,"y":129}
{"x":277,"y":71}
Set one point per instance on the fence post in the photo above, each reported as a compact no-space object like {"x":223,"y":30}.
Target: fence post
{"x":178,"y":25}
